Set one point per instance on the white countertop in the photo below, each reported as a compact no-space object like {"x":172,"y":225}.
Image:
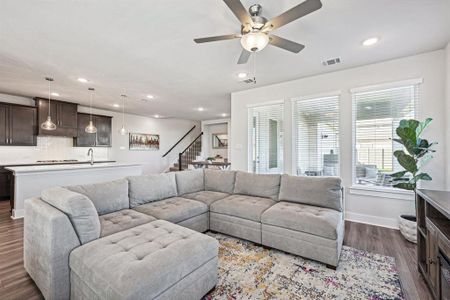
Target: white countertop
{"x":68,"y":167}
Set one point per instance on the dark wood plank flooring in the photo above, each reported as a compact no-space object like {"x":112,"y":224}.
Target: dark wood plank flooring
{"x":16,"y":284}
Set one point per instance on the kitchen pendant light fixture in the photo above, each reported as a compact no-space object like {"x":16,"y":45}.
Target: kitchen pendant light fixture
{"x":91,"y":128}
{"x":48,"y":124}
{"x":122,"y":130}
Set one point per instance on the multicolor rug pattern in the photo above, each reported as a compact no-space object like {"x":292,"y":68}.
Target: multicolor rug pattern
{"x":248,"y":271}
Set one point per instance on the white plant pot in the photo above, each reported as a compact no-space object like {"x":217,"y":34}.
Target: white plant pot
{"x":408,"y":227}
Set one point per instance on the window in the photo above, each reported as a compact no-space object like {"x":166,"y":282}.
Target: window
{"x":377,"y":114}
{"x":316,"y":130}
{"x":265,"y":125}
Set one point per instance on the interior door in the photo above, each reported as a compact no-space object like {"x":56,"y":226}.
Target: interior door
{"x":22,"y":122}
{"x":4,"y":124}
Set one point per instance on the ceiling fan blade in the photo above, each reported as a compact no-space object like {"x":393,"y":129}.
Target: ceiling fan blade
{"x":243,"y":58}
{"x":239,"y":11}
{"x":293,"y":14}
{"x":217,"y":38}
{"x":285,"y":44}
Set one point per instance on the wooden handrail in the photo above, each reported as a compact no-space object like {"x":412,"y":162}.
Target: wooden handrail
{"x":179,"y":141}
{"x":201,"y":133}
{"x":180,"y":155}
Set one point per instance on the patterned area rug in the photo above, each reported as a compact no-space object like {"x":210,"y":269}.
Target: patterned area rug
{"x":247,"y":271}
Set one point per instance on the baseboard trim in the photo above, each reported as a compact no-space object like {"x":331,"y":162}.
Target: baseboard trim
{"x":372,"y":220}
{"x":18,"y":214}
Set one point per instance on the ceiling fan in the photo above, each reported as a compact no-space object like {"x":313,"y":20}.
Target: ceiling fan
{"x":255,"y":29}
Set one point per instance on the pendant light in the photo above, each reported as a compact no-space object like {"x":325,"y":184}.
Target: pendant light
{"x":48,"y":124}
{"x":91,"y":128}
{"x":122,"y":130}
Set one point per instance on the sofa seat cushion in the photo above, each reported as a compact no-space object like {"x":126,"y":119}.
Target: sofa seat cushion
{"x":142,"y":262}
{"x":174,"y":210}
{"x":323,"y":222}
{"x":122,"y":220}
{"x":206,"y":197}
{"x":246,"y":207}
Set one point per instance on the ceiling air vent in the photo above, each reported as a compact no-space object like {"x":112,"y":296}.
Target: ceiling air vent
{"x":333,"y":61}
{"x":249,"y":80}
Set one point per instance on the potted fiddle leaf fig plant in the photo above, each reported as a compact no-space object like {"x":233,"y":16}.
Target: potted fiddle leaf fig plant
{"x":417,"y":152}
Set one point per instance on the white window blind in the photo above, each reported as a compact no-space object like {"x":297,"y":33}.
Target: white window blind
{"x":377,"y":114}
{"x":265,"y":138}
{"x":316,"y":124}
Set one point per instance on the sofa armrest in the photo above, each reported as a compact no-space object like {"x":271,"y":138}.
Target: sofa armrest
{"x":49,"y":237}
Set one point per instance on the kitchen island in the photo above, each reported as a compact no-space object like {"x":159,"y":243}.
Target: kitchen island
{"x":29,"y":181}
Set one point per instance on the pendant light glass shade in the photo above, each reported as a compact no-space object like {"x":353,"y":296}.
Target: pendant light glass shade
{"x":122,"y":130}
{"x":48,"y":124}
{"x":91,"y":128}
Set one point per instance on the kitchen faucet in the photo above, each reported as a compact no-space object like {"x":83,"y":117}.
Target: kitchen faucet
{"x":91,"y":154}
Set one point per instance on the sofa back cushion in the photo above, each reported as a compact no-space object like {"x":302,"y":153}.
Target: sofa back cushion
{"x":191,"y":181}
{"x":107,"y":197}
{"x":80,"y":210}
{"x":317,"y":191}
{"x":259,"y":185}
{"x":220,"y":181}
{"x":148,"y":188}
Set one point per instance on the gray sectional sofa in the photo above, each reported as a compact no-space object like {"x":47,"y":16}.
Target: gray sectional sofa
{"x":142,"y":237}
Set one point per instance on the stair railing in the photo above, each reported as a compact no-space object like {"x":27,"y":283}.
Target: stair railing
{"x":179,"y":141}
{"x":180,"y":155}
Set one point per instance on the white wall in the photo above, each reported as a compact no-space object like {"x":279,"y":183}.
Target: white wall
{"x":214,"y":126}
{"x":380,"y":209}
{"x":170,"y":131}
{"x":447,"y":113}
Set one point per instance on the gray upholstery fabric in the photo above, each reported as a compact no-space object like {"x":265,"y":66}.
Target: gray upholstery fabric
{"x":206,"y":197}
{"x":142,"y":262}
{"x":148,"y":188}
{"x":174,"y":210}
{"x":80,"y":210}
{"x":241,"y":206}
{"x":198,"y":223}
{"x":220,"y":181}
{"x":190,"y":181}
{"x":122,"y":220}
{"x":234,"y":226}
{"x":315,"y":220}
{"x":318,"y":191}
{"x":299,"y":243}
{"x":258,"y":185}
{"x":107,"y":197}
{"x":48,"y":240}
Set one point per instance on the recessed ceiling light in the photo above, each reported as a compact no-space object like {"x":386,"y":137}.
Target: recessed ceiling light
{"x":157,"y":116}
{"x":116,"y":105}
{"x":150,"y":97}
{"x":55,"y":94}
{"x":242,"y":75}
{"x":224,"y":115}
{"x":200,"y":109}
{"x":83,"y":80}
{"x":370,"y":41}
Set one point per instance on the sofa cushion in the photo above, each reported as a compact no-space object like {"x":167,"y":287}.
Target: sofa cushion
{"x":206,"y":197}
{"x":173,"y":209}
{"x":318,"y":191}
{"x":142,"y":262}
{"x":220,"y":181}
{"x":246,"y":207}
{"x":80,"y":210}
{"x":190,"y":181}
{"x":122,"y":220}
{"x":107,"y":197}
{"x":323,"y":222}
{"x":147,"y":188}
{"x":258,"y":185}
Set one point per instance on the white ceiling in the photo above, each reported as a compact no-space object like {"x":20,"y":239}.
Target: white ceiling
{"x":141,"y":47}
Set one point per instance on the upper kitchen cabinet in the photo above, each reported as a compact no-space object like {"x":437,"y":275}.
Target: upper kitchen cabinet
{"x":100,"y":139}
{"x":18,"y":125}
{"x":64,"y":115}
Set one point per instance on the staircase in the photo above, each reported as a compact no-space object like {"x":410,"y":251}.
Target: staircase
{"x":190,"y":154}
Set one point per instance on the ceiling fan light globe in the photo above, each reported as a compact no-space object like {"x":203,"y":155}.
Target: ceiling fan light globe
{"x":91,"y":128}
{"x":254,"y":41}
{"x":48,"y":124}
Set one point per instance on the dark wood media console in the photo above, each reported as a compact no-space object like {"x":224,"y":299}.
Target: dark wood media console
{"x":433,"y":240}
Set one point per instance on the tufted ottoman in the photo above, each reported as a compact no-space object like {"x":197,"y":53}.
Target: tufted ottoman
{"x":157,"y":260}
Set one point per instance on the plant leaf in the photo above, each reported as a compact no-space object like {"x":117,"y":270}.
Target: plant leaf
{"x":399,"y":174}
{"x":422,"y":126}
{"x":406,"y":161}
{"x":405,"y":186}
{"x":423,"y":176}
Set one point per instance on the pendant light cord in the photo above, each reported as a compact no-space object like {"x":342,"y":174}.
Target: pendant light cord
{"x":49,"y":104}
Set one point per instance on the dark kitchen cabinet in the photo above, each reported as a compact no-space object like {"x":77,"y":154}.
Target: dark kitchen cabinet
{"x":103,"y":137}
{"x":64,"y":115}
{"x":5,"y":184}
{"x":18,"y":125}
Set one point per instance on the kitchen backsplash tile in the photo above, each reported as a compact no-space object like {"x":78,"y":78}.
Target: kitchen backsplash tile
{"x":49,"y":148}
